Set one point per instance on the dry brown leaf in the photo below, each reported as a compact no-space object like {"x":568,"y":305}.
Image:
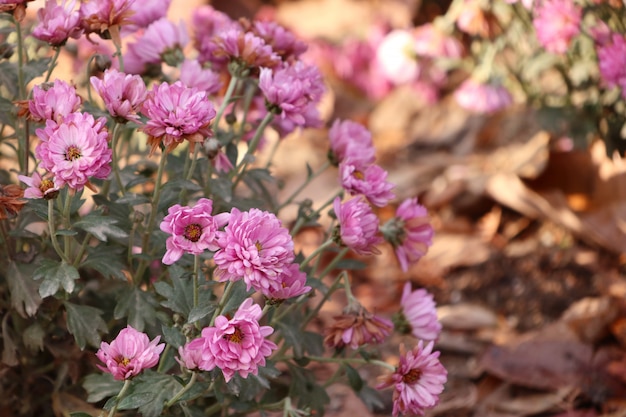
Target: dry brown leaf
{"x":63,"y":404}
{"x":453,"y":250}
{"x":466,"y":316}
{"x":590,"y":317}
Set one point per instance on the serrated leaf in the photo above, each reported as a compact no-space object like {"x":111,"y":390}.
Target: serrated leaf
{"x":137,"y":306}
{"x":107,"y":261}
{"x":222,"y":188}
{"x":306,"y":391}
{"x":101,"y":386}
{"x":55,"y":275}
{"x":101,"y":227}
{"x":136,"y":400}
{"x":24,"y":294}
{"x":200,"y":311}
{"x":237,"y":295}
{"x":85,"y":323}
{"x":371,"y":398}
{"x":7,"y":112}
{"x":172,"y":336}
{"x":179,"y":296}
{"x":163,"y":386}
{"x":35,"y":68}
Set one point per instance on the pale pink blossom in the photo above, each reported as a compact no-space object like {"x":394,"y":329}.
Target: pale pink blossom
{"x":612,"y":62}
{"x":147,"y":11}
{"x":358,"y":226}
{"x":53,"y":101}
{"x":255,"y":247}
{"x":162,"y":41}
{"x":175,"y":113}
{"x":244,"y":48}
{"x":75,"y":150}
{"x":292,"y":283}
{"x":192,"y":229}
{"x":282,"y":40}
{"x":206,"y":23}
{"x":191,"y":353}
{"x":397,"y":57}
{"x":193,"y":75}
{"x":418,"y":314}
{"x":129,"y":354}
{"x":418,"y":380}
{"x":123,"y":94}
{"x":238,"y":345}
{"x":57,"y":22}
{"x":39,"y":187}
{"x":557,"y":22}
{"x":482,"y":97}
{"x":351,"y":141}
{"x":369,"y":181}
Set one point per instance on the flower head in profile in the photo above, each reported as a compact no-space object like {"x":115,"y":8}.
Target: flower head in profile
{"x":369,"y":181}
{"x":238,"y":345}
{"x":39,"y":187}
{"x":11,"y":201}
{"x":244,"y":48}
{"x":193,"y":75}
{"x":282,"y":40}
{"x":357,"y":327}
{"x":162,"y":41}
{"x":557,"y":22}
{"x":255,"y":247}
{"x":192,"y":229}
{"x":129,"y":353}
{"x":75,"y":150}
{"x":350,"y":141}
{"x":175,"y":113}
{"x":612,"y":61}
{"x":358,"y":226}
{"x":292,"y":283}
{"x":53,"y":101}
{"x":191,"y":353}
{"x":206,"y":23}
{"x":123,"y":94}
{"x":418,"y":380}
{"x":105,"y":16}
{"x":57,"y":22}
{"x":409,"y":232}
{"x":482,"y":97}
{"x":16,"y":7}
{"x":418,"y":314}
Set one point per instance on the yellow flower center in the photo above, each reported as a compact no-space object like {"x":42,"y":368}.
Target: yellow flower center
{"x":123,"y":361}
{"x":72,"y":153}
{"x":258,"y":246}
{"x":46,"y":185}
{"x":193,"y":232}
{"x":412,"y":376}
{"x":236,"y":337}
{"x":358,"y":175}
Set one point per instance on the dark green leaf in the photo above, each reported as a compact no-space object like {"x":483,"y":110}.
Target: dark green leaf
{"x":137,"y":306}
{"x":101,"y":227}
{"x":136,"y":400}
{"x":200,"y":311}
{"x":80,"y":414}
{"x":66,"y":233}
{"x":7,"y":112}
{"x":24,"y":295}
{"x":35,"y":68}
{"x":307,"y":392}
{"x":133,"y":199}
{"x":163,"y":386}
{"x":179,"y":296}
{"x":106,"y":260}
{"x":222,"y":188}
{"x":9,"y":351}
{"x":351,"y":264}
{"x":371,"y":398}
{"x":8,"y":77}
{"x":101,"y":386}
{"x":85,"y":323}
{"x":237,"y":296}
{"x":354,"y":379}
{"x":55,"y":275}
{"x":172,"y":336}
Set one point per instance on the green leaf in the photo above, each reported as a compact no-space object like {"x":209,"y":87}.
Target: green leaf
{"x":237,"y":296}
{"x":101,"y":386}
{"x":304,"y":388}
{"x":354,"y":379}
{"x":301,"y":341}
{"x":106,"y":260}
{"x":179,"y":297}
{"x":8,"y":77}
{"x":80,"y":414}
{"x":222,"y":188}
{"x":35,"y":68}
{"x":9,"y":351}
{"x":85,"y":323}
{"x":371,"y":398}
{"x":25,"y":298}
{"x":55,"y":275}
{"x":7,"y":112}
{"x":136,"y":400}
{"x":200,"y":311}
{"x":172,"y":336}
{"x":101,"y":227}
{"x":162,"y":386}
{"x":137,"y":306}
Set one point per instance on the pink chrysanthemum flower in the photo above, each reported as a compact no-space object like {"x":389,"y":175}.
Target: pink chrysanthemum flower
{"x":16,"y":7}
{"x":53,"y":102}
{"x":75,"y":150}
{"x":193,"y":75}
{"x":57,"y":22}
{"x":370,"y":181}
{"x":191,"y":353}
{"x":99,"y":16}
{"x":357,"y":327}
{"x":238,"y":345}
{"x":409,"y":232}
{"x":254,"y":246}
{"x":123,"y":94}
{"x":281,"y":39}
{"x":176,"y":113}
{"x":612,"y":62}
{"x":147,"y":11}
{"x":350,"y":141}
{"x":129,"y":353}
{"x":193,"y":230}
{"x":292,"y":283}
{"x":245,"y":48}
{"x":39,"y":187}
{"x":556,"y":23}
{"x":418,"y":314}
{"x":418,"y":380}
{"x":163,"y":41}
{"x":358,"y":226}
{"x":207,"y":22}
{"x":482,"y":98}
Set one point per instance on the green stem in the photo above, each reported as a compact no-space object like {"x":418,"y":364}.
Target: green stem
{"x":120,"y":396}
{"x":334,"y":262}
{"x":319,"y":305}
{"x":229,"y":93}
{"x":24,"y":145}
{"x":183,"y":390}
{"x":311,"y":177}
{"x":196,"y":268}
{"x":81,"y":250}
{"x":67,"y":240}
{"x":328,"y":202}
{"x":52,"y":230}
{"x":116,"y":167}
{"x":254,"y":143}
{"x":194,"y":158}
{"x":227,"y":290}
{"x":315,"y":253}
{"x":53,"y":63}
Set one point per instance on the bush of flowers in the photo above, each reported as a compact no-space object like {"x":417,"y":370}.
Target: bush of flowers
{"x":145,"y":265}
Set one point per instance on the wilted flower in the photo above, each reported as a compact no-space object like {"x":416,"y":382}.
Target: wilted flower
{"x":254,"y":246}
{"x":39,"y":187}
{"x":193,"y":75}
{"x":176,"y":113}
{"x":358,"y":226}
{"x":418,"y":315}
{"x":98,"y":16}
{"x":193,"y":230}
{"x":370,"y":181}
{"x":191,"y":353}
{"x":556,"y":23}
{"x":238,"y":345}
{"x":482,"y":97}
{"x":163,"y":41}
{"x":291,"y":283}
{"x":418,"y":380}
{"x":57,"y":22}
{"x":15,"y":7}
{"x":397,"y":58}
{"x":53,"y":101}
{"x":356,"y":328}
{"x":244,"y":48}
{"x":612,"y":62}
{"x":409,"y":232}
{"x":11,"y":201}
{"x":129,"y":353}
{"x":123,"y":94}
{"x":350,"y":141}
{"x":75,"y":150}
